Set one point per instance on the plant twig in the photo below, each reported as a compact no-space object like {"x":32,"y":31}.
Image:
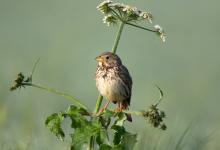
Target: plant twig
{"x":34,"y":67}
{"x":100,"y":98}
{"x":118,"y":37}
{"x":134,"y":25}
{"x":161,"y":95}
{"x":91,"y":143}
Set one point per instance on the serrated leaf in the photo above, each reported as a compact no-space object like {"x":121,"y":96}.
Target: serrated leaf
{"x":109,"y":113}
{"x":82,"y":135}
{"x":72,"y":110}
{"x":75,"y":114}
{"x":105,"y":147}
{"x":128,"y":141}
{"x":121,"y":119}
{"x":53,"y":122}
{"x":119,"y":132}
{"x":105,"y":121}
{"x":83,"y":111}
{"x":101,"y":137}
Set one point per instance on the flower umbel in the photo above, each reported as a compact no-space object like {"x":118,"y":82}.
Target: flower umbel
{"x":127,"y":14}
{"x":109,"y":19}
{"x":146,"y":15}
{"x":129,"y":9}
{"x":160,"y":32}
{"x":104,"y":6}
{"x":122,"y":12}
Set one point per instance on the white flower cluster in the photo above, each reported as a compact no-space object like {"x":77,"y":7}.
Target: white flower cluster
{"x":109,"y":19}
{"x":123,"y":12}
{"x":160,"y":32}
{"x":104,"y":6}
{"x":115,"y":12}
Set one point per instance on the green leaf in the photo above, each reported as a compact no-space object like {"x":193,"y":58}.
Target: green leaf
{"x":83,"y":111}
{"x":72,"y":110}
{"x":105,"y":121}
{"x":53,"y":122}
{"x":75,"y":114}
{"x":101,"y":136}
{"x":109,"y":113}
{"x":82,"y":135}
{"x":105,"y":147}
{"x":128,"y":141}
{"x":121,"y":119}
{"x":119,"y":132}
{"x":123,"y":140}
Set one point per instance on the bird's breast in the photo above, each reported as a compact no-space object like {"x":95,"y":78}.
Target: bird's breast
{"x":110,"y":87}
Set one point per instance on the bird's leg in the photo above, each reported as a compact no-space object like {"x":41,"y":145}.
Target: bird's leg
{"x":104,"y":108}
{"x":119,"y":108}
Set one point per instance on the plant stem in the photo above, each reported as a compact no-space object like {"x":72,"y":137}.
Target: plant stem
{"x":134,"y":25}
{"x":138,"y":113}
{"x":91,"y":143}
{"x":100,"y":98}
{"x":98,"y":104}
{"x":118,"y":37}
{"x":65,"y":95}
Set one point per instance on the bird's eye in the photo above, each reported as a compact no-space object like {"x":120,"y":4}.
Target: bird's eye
{"x":107,"y":57}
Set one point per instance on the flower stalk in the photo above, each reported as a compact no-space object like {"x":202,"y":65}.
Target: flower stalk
{"x":114,"y":49}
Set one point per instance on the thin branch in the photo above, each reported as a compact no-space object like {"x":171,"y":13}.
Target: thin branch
{"x":98,"y":104}
{"x":161,"y":95}
{"x":134,"y":25}
{"x":118,"y":37}
{"x":34,"y":68}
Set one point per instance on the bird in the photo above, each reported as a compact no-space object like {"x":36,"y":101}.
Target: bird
{"x":114,"y":82}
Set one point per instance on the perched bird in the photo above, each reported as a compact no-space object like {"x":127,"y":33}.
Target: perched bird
{"x":114,"y":81}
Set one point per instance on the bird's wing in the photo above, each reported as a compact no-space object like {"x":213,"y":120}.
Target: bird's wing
{"x":127,"y":81}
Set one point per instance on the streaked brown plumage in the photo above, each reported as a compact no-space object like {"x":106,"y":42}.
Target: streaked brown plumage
{"x":114,"y":81}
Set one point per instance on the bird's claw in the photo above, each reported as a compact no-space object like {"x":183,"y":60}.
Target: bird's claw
{"x":117,"y":110}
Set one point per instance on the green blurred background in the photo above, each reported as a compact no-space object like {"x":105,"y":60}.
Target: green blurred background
{"x":67,"y":36}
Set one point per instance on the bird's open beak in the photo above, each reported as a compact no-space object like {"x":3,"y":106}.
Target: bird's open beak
{"x":99,"y":59}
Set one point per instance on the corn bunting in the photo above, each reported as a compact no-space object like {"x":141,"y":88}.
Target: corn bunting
{"x":114,"y":81}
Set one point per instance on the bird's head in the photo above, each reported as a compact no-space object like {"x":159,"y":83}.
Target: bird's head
{"x":108,"y":59}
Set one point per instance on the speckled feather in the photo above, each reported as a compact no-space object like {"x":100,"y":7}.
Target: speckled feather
{"x":113,"y":80}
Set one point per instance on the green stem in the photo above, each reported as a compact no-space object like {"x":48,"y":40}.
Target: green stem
{"x":98,"y":104}
{"x":118,"y":37}
{"x":65,"y":95}
{"x":138,"y":113}
{"x":91,"y":143}
{"x":134,"y":25}
{"x":100,"y":98}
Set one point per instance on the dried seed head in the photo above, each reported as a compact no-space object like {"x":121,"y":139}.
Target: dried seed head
{"x":163,"y":127}
{"x":17,"y":82}
{"x":155,"y":117}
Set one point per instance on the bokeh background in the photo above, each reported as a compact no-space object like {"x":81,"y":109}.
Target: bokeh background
{"x":67,"y":35}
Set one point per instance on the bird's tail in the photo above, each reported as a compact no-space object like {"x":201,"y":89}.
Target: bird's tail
{"x":129,"y":118}
{"x":125,"y":107}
